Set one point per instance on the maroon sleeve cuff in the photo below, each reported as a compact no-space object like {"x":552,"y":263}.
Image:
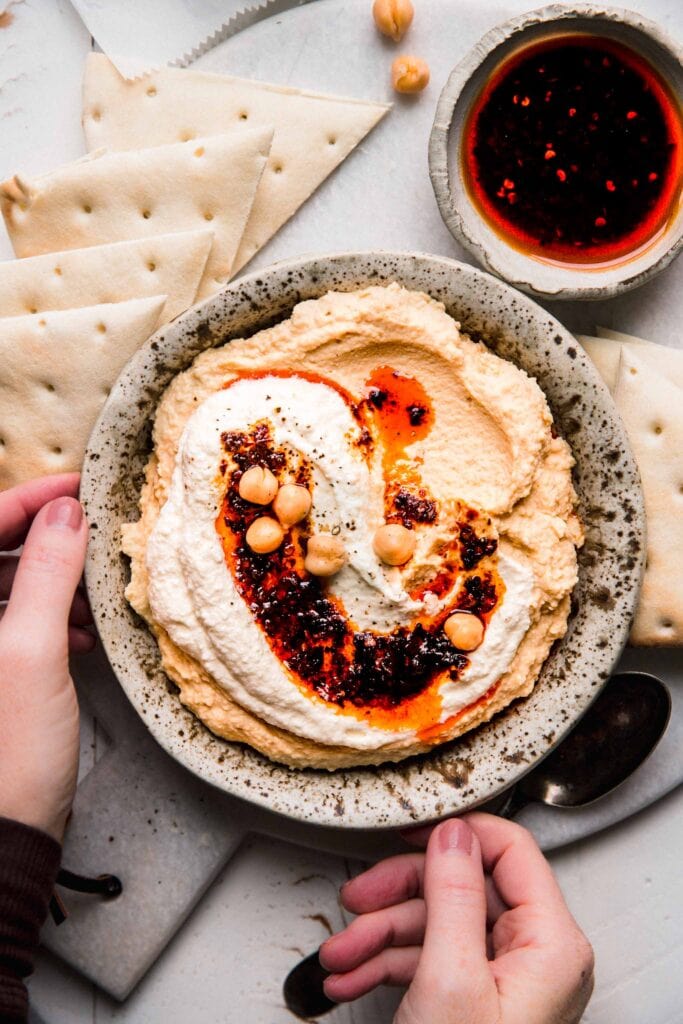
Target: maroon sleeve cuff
{"x":29,"y":861}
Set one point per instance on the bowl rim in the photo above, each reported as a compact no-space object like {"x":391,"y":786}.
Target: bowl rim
{"x":507,"y":34}
{"x":104,"y":448}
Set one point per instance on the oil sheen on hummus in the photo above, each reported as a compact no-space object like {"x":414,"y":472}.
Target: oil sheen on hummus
{"x":377,"y":405}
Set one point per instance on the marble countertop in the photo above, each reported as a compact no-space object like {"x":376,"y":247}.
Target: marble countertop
{"x":275,"y":902}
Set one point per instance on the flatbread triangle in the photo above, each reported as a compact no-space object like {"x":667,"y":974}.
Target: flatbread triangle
{"x":646,"y":381}
{"x":56,"y":370}
{"x":606,"y":352}
{"x":205,"y":183}
{"x":652,"y":409}
{"x":313,"y":133}
{"x":169,"y":264}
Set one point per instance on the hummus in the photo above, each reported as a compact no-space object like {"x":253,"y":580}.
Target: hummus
{"x":386,"y":413}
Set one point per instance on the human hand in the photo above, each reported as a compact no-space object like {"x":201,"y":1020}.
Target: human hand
{"x":43,"y":619}
{"x":477,"y":928}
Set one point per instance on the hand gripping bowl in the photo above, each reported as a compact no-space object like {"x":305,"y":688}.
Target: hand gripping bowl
{"x":474,"y":768}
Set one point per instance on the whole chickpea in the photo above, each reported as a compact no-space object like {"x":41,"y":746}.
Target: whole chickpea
{"x":393,"y":17}
{"x":264,"y":535}
{"x":394,"y":544}
{"x":325,"y":555}
{"x":292,"y":504}
{"x":464,"y":630}
{"x":258,"y":485}
{"x":409,"y":74}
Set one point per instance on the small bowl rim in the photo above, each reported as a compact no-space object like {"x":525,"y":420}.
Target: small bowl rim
{"x":504,"y":35}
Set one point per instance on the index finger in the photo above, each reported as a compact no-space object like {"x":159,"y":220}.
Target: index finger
{"x":19,"y":505}
{"x":512,"y":857}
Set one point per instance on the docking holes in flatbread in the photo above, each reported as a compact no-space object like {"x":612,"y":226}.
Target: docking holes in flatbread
{"x":56,"y":371}
{"x":652,"y":409}
{"x":164,"y":264}
{"x":314,"y":133}
{"x":646,"y":381}
{"x":606,"y":350}
{"x":206,"y":183}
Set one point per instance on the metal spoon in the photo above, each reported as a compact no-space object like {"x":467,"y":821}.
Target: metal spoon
{"x":618,"y":732}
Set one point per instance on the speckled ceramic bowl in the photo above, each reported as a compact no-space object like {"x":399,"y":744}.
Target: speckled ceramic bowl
{"x":461,"y":215}
{"x":467,"y":771}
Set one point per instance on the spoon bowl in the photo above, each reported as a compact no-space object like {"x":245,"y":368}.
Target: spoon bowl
{"x":618,"y":732}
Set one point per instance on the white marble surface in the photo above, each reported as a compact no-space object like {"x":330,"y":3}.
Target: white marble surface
{"x":272,"y":901}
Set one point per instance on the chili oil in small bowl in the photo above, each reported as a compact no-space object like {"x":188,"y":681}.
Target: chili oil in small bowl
{"x":556,"y":153}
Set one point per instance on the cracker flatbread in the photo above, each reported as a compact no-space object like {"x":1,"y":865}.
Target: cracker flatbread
{"x":606,"y":355}
{"x":56,"y":370}
{"x":652,"y":409}
{"x":164,"y":264}
{"x":606,"y":351}
{"x":607,"y":332}
{"x":117,"y":196}
{"x":313,"y":133}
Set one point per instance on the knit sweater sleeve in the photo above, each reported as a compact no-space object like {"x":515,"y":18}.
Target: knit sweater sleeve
{"x":29,"y":861}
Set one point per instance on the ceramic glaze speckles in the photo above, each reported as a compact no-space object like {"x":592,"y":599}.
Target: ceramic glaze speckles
{"x":469,"y":770}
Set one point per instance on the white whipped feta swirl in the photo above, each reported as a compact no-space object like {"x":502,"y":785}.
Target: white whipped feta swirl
{"x":193,"y":596}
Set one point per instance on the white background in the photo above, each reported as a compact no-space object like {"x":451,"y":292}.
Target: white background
{"x":271,"y":904}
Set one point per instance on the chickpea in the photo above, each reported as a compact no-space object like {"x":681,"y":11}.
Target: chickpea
{"x":393,"y":17}
{"x":258,"y":485}
{"x":325,"y":555}
{"x":464,"y":630}
{"x":409,"y":74}
{"x":394,"y":544}
{"x":292,"y":504}
{"x":264,"y":535}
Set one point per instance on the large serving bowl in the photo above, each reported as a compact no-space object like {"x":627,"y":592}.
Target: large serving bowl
{"x":475,"y":767}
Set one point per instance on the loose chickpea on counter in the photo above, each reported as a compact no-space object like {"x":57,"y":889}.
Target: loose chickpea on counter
{"x":464,"y":630}
{"x":258,"y":485}
{"x":393,"y":17}
{"x":325,"y":555}
{"x":394,"y":544}
{"x":265,"y":535}
{"x":292,"y":504}
{"x":409,"y":74}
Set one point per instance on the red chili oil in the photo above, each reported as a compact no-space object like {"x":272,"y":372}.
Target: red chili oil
{"x":307,"y":626}
{"x":573,"y":151}
{"x":402,"y":410}
{"x":402,"y":414}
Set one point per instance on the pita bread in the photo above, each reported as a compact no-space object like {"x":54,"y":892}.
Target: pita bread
{"x":313,"y":133}
{"x":652,"y":409}
{"x":56,"y":370}
{"x":118,"y":196}
{"x":168,"y":264}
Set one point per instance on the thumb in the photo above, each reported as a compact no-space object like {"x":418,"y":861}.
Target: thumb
{"x":49,"y":569}
{"x":453,"y":972}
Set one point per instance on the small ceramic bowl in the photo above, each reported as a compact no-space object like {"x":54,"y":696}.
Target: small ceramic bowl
{"x":476,"y":767}
{"x":459,"y":211}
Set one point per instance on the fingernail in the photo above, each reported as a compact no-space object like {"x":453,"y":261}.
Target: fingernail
{"x":455,"y":835}
{"x":65,"y":512}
